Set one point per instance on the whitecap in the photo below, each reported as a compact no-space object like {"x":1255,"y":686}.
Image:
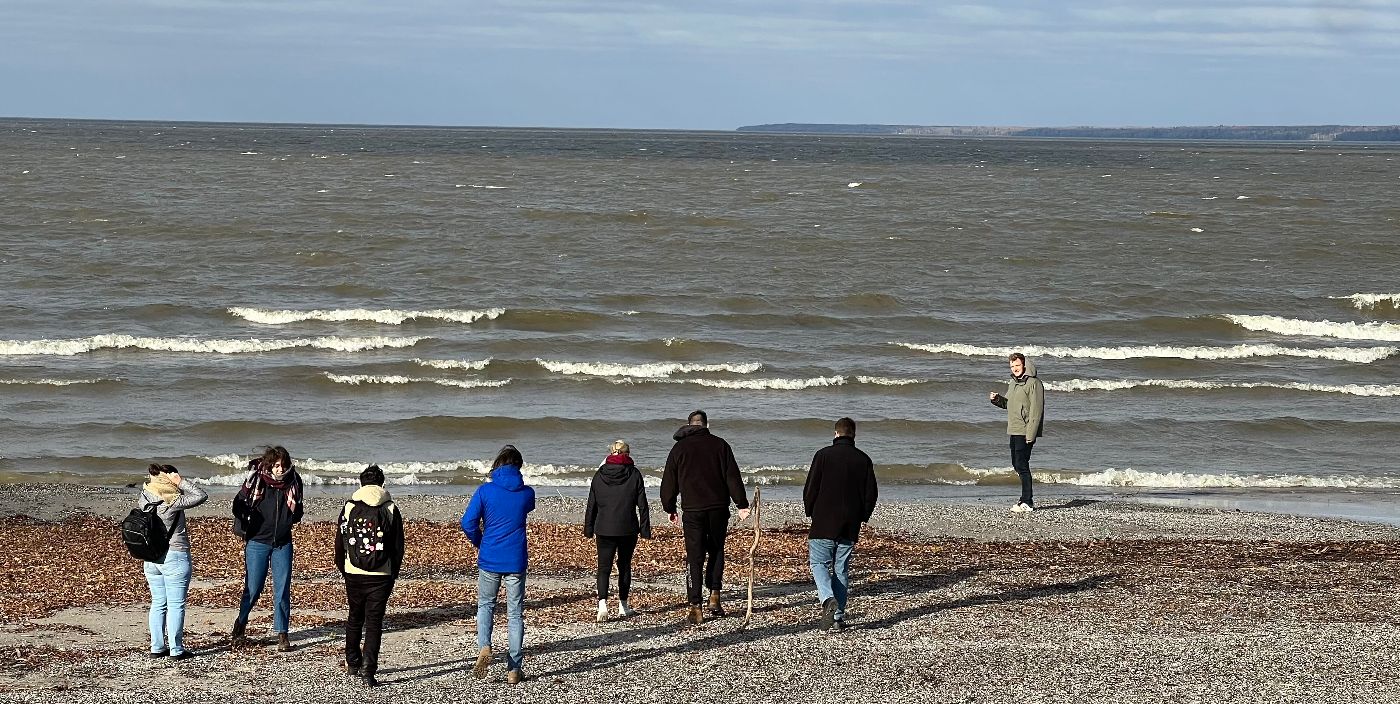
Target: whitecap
{"x":469,"y":364}
{"x":196,"y":345}
{"x":654,"y":370}
{"x":385,"y":316}
{"x":1363,"y":301}
{"x":50,"y":382}
{"x":359,"y":379}
{"x":1073,"y":385}
{"x":1188,"y":480}
{"x":1359,"y":355}
{"x":1388,"y":332}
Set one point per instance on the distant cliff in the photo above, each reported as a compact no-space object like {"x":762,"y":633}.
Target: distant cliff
{"x":1283,"y":133}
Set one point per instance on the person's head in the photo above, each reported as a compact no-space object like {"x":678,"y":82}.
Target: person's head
{"x":275,"y":461}
{"x":1017,"y":362}
{"x":845,"y":428}
{"x":698,"y":417}
{"x":156,"y":470}
{"x":372,"y":476}
{"x":620,"y":447}
{"x":508,"y":456}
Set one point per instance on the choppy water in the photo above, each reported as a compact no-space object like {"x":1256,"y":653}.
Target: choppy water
{"x":1202,"y":315}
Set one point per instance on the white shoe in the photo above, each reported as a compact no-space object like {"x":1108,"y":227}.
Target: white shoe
{"x":1022,"y":508}
{"x":624,"y":611}
{"x":602,"y":610}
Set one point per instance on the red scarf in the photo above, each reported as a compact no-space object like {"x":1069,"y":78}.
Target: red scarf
{"x":618,"y":459}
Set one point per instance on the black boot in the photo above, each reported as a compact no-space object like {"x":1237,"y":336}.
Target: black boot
{"x":237,"y":637}
{"x":716,"y":611}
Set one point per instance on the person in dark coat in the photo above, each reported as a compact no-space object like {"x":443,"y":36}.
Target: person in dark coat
{"x":616,"y":514}
{"x":702,"y":470}
{"x":379,"y":550}
{"x":267,"y":506}
{"x":838,"y":496}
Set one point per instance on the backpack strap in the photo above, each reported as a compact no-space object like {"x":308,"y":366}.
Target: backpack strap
{"x":169,"y":533}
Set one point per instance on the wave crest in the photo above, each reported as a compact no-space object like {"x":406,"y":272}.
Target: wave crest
{"x":654,"y":370}
{"x":475,"y":365}
{"x":211,"y":346}
{"x":359,"y":379}
{"x":1365,"y":301}
{"x":1192,"y":384}
{"x":1387,"y":332}
{"x":1359,"y":355}
{"x":385,"y":316}
{"x":1185,"y":480}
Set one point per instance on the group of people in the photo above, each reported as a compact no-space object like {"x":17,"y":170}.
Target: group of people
{"x":700,"y":482}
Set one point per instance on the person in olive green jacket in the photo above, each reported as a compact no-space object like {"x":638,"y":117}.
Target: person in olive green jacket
{"x":1025,"y":415}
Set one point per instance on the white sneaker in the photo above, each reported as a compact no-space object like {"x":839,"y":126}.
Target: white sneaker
{"x":1022,"y":508}
{"x":602,"y":610}
{"x":624,"y":610}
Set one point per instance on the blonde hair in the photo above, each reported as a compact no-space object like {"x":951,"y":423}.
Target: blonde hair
{"x":620,"y":447}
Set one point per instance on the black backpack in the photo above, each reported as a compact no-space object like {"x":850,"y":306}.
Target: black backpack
{"x":145,"y":534}
{"x":364,"y":533}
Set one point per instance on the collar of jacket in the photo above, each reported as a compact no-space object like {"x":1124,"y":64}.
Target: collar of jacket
{"x":843,"y":440}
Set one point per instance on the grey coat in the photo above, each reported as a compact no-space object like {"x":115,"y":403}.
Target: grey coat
{"x":173,"y":514}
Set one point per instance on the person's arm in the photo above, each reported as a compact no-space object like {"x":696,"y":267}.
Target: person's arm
{"x":872,"y":492}
{"x":998,"y":400}
{"x":670,"y":482}
{"x":300,"y":505}
{"x":190,"y":494}
{"x":590,"y":510}
{"x":340,"y":538}
{"x":398,"y":542}
{"x":737,"y":492}
{"x":812,"y":486}
{"x":530,"y":506}
{"x":1036,"y":391}
{"x":471,"y":520}
{"x":643,"y":508}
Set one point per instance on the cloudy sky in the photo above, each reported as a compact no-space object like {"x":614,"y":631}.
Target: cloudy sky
{"x":704,"y":64}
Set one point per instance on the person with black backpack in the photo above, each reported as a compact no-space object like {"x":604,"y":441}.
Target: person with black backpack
{"x":163,"y":544}
{"x":369,"y":553}
{"x":267,"y":506}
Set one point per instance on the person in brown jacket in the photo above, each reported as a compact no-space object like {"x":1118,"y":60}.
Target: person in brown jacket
{"x":839,"y":495}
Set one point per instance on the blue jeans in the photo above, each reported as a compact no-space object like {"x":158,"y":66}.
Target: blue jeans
{"x":256,"y":557}
{"x":831,"y":558}
{"x":487,"y":586}
{"x":170,"y":583}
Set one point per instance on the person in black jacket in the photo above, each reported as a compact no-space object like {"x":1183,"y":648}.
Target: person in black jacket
{"x":701,"y":468}
{"x":617,"y":513}
{"x":267,"y":506}
{"x":839,"y":495}
{"x":368,"y":553}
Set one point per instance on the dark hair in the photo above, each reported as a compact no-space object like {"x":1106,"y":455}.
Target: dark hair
{"x":704,"y":419}
{"x":155,"y":469}
{"x":372,"y":475}
{"x":270,"y":456}
{"x":846,"y":427}
{"x":1016,"y":357}
{"x":508,"y":455}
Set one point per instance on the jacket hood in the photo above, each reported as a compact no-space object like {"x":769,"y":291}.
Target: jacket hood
{"x":371,"y":494}
{"x":508,"y":477}
{"x":1030,"y":369}
{"x":615,"y":474}
{"x":689,"y":430}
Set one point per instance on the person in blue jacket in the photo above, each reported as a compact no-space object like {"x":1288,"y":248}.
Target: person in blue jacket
{"x":495,"y":523}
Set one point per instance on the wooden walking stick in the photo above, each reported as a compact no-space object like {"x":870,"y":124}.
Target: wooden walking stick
{"x":757,"y":531}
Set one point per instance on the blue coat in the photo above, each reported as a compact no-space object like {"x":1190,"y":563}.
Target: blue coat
{"x":495,"y":521}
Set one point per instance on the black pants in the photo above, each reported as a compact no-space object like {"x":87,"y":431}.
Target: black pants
{"x":1021,"y":460}
{"x":622,"y":547}
{"x":368,"y":596}
{"x":704,"y":540}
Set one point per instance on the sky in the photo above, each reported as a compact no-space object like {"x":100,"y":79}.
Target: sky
{"x":704,"y":64}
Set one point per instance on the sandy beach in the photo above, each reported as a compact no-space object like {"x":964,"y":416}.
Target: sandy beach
{"x":1082,"y":600}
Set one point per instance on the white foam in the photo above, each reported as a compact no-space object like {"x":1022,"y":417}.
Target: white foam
{"x":1387,"y":332}
{"x":338,"y":467}
{"x":1187,"y":480}
{"x":1359,"y":355}
{"x":473,"y":185}
{"x":358,"y":379}
{"x":50,"y":382}
{"x":385,"y":316}
{"x":655,"y":370}
{"x":1363,"y":301}
{"x":194,"y":345}
{"x":887,"y":381}
{"x":769,"y":384}
{"x":1191,"y":384}
{"x":475,"y":365}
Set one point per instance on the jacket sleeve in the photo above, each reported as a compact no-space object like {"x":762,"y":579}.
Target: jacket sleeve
{"x":1036,"y":392}
{"x":531,"y":505}
{"x":190,"y":496}
{"x":300,"y":506}
{"x":872,"y":492}
{"x":670,"y":482}
{"x":999,"y":401}
{"x":590,"y":510}
{"x":340,"y":539}
{"x":643,"y":508}
{"x":398,"y":531}
{"x":812,"y":486}
{"x":734,"y":479}
{"x":471,"y":520}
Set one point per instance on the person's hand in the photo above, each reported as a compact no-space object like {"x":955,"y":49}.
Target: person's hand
{"x":991,"y":396}
{"x":676,"y":520}
{"x":743,"y":515}
{"x":173,"y":478}
{"x":1030,"y":441}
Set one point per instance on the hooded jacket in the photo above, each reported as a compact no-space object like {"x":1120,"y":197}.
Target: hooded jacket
{"x":840,"y":491}
{"x":617,"y":503}
{"x":701,"y":468}
{"x":1025,"y":405}
{"x":373,"y":495}
{"x":495,"y":521}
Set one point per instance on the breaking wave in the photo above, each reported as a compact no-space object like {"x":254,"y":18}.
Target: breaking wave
{"x":183,"y":344}
{"x":53,"y":382}
{"x":358,"y":379}
{"x":1388,"y":332}
{"x":1359,"y":355}
{"x":655,"y":370}
{"x":386,"y":316}
{"x":1191,"y":384}
{"x":1367,"y":301}
{"x":1187,"y":480}
{"x":475,"y":365}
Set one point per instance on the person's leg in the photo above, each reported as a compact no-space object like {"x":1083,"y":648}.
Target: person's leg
{"x":515,"y":616}
{"x":820,"y":553}
{"x":607,"y":550}
{"x":626,"y":547}
{"x":282,"y":588}
{"x":354,"y":620}
{"x":1021,"y":461}
{"x":155,"y":620}
{"x":693,"y":525}
{"x":716,"y":531}
{"x":488,"y":584}
{"x":178,"y":569}
{"x":376,"y":601}
{"x":841,"y":585}
{"x":255,"y":559}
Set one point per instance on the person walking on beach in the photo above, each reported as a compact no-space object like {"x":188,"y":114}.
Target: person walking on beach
{"x":617,"y":512}
{"x":1025,"y":414}
{"x":495,"y":524}
{"x":702,"y":470}
{"x":369,"y":554}
{"x":169,"y":496}
{"x":838,"y":496}
{"x":267,"y":506}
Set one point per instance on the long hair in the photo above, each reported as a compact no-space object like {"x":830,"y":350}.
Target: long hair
{"x":508,"y":455}
{"x":270,"y":456}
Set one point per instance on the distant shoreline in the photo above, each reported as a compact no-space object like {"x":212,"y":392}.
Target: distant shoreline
{"x":1263,"y":133}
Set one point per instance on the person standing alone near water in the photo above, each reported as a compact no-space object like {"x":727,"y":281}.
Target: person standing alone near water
{"x":838,"y":496}
{"x":1025,"y":415}
{"x":617,"y":512}
{"x":702,"y":470}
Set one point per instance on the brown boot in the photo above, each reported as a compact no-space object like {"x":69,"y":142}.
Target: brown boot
{"x":515,"y":677}
{"x":695,"y":616}
{"x":716,"y":611}
{"x":483,"y":661}
{"x":237,"y":637}
{"x":284,"y":643}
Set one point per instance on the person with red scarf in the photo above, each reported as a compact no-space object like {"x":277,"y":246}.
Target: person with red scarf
{"x":617,"y":512}
{"x":267,"y":506}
